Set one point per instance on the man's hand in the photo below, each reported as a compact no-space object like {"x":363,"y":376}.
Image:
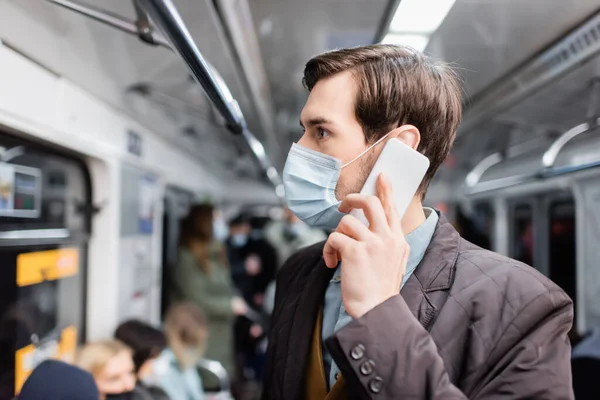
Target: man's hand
{"x":374,"y":258}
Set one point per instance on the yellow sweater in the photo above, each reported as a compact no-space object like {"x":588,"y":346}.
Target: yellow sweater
{"x":316,"y":383}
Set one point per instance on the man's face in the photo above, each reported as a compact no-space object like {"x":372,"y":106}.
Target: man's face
{"x":331,"y":128}
{"x":118,"y":375}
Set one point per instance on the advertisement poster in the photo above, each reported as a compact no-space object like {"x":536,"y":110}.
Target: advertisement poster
{"x":27,"y":358}
{"x":146,"y":199}
{"x":7,"y":183}
{"x":20,"y":191}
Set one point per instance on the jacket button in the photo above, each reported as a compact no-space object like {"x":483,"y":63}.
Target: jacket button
{"x":376,"y":384}
{"x":367,"y":367}
{"x":357,"y":352}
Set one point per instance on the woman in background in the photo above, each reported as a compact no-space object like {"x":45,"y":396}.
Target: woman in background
{"x":202,"y":277}
{"x":110,"y":363}
{"x":186,"y":330}
{"x":147,"y":343}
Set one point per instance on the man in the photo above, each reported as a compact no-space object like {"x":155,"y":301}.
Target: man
{"x":466,"y":324}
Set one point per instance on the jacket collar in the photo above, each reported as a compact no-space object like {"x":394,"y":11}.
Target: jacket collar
{"x":427,"y":289}
{"x":425,"y":293}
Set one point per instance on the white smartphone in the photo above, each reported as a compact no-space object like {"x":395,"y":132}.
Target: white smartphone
{"x":406,"y":169}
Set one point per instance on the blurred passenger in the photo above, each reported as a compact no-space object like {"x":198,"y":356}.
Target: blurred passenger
{"x":187,"y":333}
{"x":290,"y":235}
{"x":111,"y":364}
{"x":239,"y":234}
{"x":260,"y":263}
{"x":252,"y":262}
{"x":287,"y":237}
{"x":147,"y":344}
{"x":57,"y":380}
{"x":202,"y":277}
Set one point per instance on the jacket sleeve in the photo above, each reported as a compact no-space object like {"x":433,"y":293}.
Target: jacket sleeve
{"x":387,"y":354}
{"x":193,"y":284}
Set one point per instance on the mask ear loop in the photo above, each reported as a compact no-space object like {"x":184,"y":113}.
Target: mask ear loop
{"x":367,"y":150}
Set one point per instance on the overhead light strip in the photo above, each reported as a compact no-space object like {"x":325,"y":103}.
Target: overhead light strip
{"x":415,"y":21}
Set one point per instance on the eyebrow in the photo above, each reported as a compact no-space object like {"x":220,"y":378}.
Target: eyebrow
{"x":315,"y":121}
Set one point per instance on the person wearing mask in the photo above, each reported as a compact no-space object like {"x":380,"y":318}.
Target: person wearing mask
{"x":202,"y":277}
{"x":111,"y":364}
{"x":58,"y":380}
{"x":239,"y":233}
{"x":291,"y":234}
{"x":287,"y":237}
{"x":187,"y":333}
{"x":147,"y":343}
{"x":402,"y":307}
{"x":246,"y":271}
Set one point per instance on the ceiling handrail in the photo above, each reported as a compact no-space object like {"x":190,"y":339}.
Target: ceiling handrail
{"x":178,"y":39}
{"x":473,"y":177}
{"x":593,"y":122}
{"x":550,"y":156}
{"x":167,"y":18}
{"x":115,"y":21}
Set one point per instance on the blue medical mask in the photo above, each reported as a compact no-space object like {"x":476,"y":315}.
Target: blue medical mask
{"x":310,"y":179}
{"x":239,"y":239}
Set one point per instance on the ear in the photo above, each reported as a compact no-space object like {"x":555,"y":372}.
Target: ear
{"x":408,"y":134}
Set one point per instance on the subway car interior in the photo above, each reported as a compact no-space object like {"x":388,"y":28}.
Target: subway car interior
{"x":122,"y":121}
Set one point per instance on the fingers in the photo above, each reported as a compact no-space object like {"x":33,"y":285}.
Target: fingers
{"x":335,"y":245}
{"x":386,"y":196}
{"x":372,"y":208}
{"x":352,"y":227}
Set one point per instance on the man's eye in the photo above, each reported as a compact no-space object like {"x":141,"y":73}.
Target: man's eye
{"x":321,"y":134}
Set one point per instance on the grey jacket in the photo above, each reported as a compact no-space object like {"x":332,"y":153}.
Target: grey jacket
{"x":468,"y":324}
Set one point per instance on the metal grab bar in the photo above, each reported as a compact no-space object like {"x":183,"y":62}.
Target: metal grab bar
{"x":549,"y":157}
{"x":482,"y":166}
{"x":113,"y":20}
{"x":167,"y":18}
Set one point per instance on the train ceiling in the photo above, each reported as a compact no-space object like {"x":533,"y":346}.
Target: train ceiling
{"x":486,"y":39}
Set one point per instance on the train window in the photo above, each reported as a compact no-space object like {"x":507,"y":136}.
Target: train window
{"x":484,"y":217}
{"x":561,"y":246}
{"x":44,"y":230}
{"x":522,"y":237}
{"x":476,"y":227}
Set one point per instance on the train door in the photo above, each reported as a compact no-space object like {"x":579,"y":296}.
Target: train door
{"x":44,"y":232}
{"x":543,"y":235}
{"x":177,"y":203}
{"x":522,"y":231}
{"x":561,"y":244}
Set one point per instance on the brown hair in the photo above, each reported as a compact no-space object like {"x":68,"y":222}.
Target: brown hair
{"x":94,"y":356}
{"x":196,"y":230}
{"x":398,"y":85}
{"x":186,"y":323}
{"x":198,"y":224}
